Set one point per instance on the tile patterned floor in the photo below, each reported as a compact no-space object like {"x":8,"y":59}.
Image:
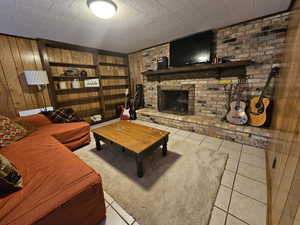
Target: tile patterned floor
{"x":242,"y":196}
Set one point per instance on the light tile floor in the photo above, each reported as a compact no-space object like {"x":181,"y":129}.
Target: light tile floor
{"x":242,"y":196}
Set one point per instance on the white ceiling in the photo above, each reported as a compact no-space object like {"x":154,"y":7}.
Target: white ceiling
{"x":138,"y":23}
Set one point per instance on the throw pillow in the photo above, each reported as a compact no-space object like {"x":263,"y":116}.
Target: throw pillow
{"x":63,"y":115}
{"x":10,"y":132}
{"x":10,"y":179}
{"x":27,"y":126}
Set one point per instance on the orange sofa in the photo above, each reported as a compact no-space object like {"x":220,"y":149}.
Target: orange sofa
{"x":59,"y":189}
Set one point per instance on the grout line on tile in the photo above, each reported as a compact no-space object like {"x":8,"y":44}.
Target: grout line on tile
{"x":250,"y":197}
{"x":220,"y":208}
{"x":235,"y":174}
{"x":252,"y":179}
{"x":252,"y":165}
{"x":120,"y":215}
{"x":237,"y":218}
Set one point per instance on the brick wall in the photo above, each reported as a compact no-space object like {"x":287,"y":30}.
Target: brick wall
{"x":262,"y":41}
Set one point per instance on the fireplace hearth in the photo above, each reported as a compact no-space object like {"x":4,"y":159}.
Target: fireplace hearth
{"x":176,"y":99}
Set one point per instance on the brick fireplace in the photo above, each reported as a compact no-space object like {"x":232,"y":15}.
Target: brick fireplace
{"x":262,"y":41}
{"x":177,"y":99}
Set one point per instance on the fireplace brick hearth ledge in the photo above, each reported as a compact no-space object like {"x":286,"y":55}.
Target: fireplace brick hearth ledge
{"x":258,"y":137}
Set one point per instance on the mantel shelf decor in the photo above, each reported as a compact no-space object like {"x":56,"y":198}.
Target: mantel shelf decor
{"x":237,"y":68}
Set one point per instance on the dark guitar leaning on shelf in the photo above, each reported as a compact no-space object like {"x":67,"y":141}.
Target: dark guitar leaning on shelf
{"x":132,"y":111}
{"x":259,"y":108}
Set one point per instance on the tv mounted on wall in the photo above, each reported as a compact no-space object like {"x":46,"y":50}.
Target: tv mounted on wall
{"x":191,"y":50}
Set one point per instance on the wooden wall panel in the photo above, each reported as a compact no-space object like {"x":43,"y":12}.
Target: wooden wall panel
{"x":113,"y":71}
{"x":6,"y":102}
{"x":283,"y":153}
{"x":60,"y":55}
{"x":136,"y":69}
{"x":17,"y":55}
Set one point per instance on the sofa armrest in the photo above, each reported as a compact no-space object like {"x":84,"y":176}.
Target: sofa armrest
{"x":37,"y":120}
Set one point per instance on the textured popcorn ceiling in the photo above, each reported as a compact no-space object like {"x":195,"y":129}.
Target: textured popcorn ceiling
{"x":138,"y":23}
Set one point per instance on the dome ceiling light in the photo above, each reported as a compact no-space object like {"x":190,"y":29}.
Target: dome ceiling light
{"x":103,"y":9}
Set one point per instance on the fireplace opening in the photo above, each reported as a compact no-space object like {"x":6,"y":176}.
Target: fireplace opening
{"x":174,"y":101}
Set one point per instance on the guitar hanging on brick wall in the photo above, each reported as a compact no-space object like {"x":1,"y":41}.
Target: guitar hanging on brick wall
{"x":259,"y":109}
{"x":237,"y":114}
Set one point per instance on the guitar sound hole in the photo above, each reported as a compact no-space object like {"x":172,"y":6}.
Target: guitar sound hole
{"x":260,"y":110}
{"x":237,"y":108}
{"x":258,"y":105}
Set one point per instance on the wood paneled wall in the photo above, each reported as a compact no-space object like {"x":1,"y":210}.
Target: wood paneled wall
{"x":284,"y":151}
{"x":17,"y":55}
{"x":136,"y":69}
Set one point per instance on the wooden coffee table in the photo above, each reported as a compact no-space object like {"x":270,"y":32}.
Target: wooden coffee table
{"x":137,"y":139}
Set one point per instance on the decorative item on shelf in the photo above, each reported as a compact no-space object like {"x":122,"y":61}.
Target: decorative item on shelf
{"x":72,"y":72}
{"x":62,"y":85}
{"x":162,"y":63}
{"x":92,"y":82}
{"x":75,"y":83}
{"x":83,"y":74}
{"x":215,"y":60}
{"x":96,"y":118}
{"x":38,"y":78}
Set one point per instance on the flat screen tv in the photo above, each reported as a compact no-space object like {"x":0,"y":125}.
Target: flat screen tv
{"x":191,"y":50}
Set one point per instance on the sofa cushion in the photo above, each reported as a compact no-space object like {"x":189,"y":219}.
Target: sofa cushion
{"x":10,"y":179}
{"x":65,"y":132}
{"x":10,"y":132}
{"x":37,"y":120}
{"x":27,"y":126}
{"x":52,"y":176}
{"x":63,"y":115}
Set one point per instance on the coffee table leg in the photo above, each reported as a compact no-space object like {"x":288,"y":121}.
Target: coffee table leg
{"x":98,"y":144}
{"x":165,"y":148}
{"x":140,"y":167}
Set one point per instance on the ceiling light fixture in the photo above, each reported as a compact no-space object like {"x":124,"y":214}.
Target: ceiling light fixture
{"x":103,"y":9}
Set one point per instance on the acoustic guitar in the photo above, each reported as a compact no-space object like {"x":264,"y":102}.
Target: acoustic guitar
{"x":259,"y":108}
{"x":237,"y":114}
{"x":125,"y":115}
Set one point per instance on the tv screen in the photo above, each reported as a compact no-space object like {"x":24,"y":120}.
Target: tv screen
{"x":191,"y":50}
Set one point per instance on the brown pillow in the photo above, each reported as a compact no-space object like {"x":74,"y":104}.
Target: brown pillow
{"x":10,"y":132}
{"x":27,"y":126}
{"x":10,"y":179}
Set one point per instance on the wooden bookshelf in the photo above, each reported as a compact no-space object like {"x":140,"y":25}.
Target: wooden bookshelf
{"x":65,"y":78}
{"x":113,"y":64}
{"x":77,"y":90}
{"x":78,"y":101}
{"x":72,"y":65}
{"x":114,"y":75}
{"x":110,"y":68}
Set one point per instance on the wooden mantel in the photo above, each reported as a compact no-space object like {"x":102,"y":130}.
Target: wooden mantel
{"x":237,"y":68}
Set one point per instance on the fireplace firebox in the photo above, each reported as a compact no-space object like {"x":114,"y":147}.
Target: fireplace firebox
{"x":176,"y":99}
